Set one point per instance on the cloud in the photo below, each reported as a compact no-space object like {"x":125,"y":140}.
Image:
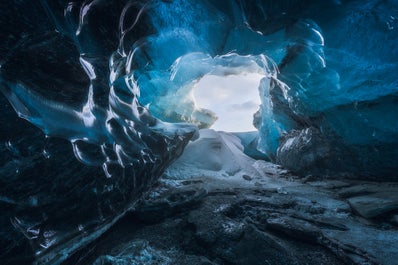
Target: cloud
{"x":234,"y":99}
{"x":248,"y":105}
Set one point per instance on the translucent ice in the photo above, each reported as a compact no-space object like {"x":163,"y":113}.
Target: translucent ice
{"x":109,"y":84}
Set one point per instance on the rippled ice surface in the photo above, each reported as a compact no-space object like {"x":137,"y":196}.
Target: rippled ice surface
{"x":98,"y":100}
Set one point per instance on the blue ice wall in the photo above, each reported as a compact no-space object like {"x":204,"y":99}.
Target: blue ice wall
{"x":329,"y":70}
{"x":108,"y":83}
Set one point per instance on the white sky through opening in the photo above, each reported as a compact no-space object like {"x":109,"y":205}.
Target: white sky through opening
{"x":233,"y":98}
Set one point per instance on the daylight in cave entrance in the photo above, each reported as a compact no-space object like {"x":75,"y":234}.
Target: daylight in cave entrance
{"x":233,"y":98}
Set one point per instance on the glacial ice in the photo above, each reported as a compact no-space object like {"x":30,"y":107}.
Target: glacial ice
{"x":109,"y":83}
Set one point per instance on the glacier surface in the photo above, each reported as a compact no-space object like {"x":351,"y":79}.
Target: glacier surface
{"x":110,"y":84}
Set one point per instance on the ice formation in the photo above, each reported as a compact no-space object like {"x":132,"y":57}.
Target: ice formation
{"x":110,"y":83}
{"x":224,"y":158}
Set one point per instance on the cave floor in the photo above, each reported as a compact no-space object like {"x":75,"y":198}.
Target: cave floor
{"x":273,"y":218}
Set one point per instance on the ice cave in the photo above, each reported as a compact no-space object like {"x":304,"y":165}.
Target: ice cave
{"x":147,"y":132}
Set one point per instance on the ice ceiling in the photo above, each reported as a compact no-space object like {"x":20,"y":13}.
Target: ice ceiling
{"x":116,"y":78}
{"x":97,"y":73}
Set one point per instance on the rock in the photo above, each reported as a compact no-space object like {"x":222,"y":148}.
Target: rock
{"x":247,"y":177}
{"x":296,"y":228}
{"x":303,"y":150}
{"x":329,"y":184}
{"x":263,"y":249}
{"x":139,"y":252}
{"x":212,"y":227}
{"x":374,"y":205}
{"x":364,"y":188}
{"x":168,"y":203}
{"x":394,"y":220}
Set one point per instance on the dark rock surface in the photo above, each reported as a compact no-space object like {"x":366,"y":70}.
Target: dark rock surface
{"x":276,"y":218}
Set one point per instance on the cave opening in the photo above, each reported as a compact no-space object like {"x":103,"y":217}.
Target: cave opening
{"x":233,"y":99}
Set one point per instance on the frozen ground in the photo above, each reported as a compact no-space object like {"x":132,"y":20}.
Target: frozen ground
{"x":217,"y":206}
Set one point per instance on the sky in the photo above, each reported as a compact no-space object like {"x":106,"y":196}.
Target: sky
{"x":234,"y":99}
